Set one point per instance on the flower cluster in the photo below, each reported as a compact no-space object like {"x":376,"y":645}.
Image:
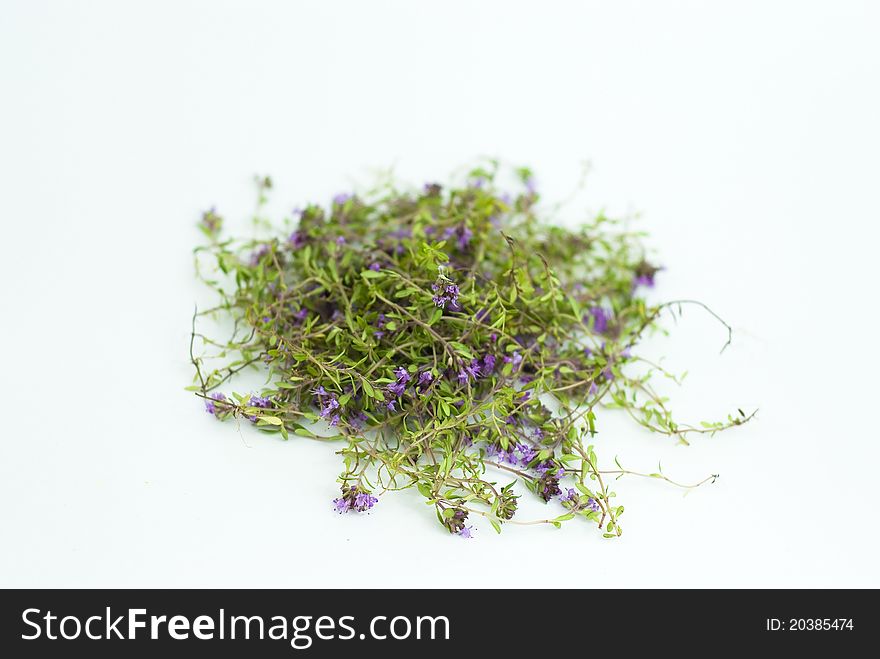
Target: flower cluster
{"x":328,"y":404}
{"x":261,"y":402}
{"x":211,"y":406}
{"x":455,"y":520}
{"x":354,"y":499}
{"x":446,"y":295}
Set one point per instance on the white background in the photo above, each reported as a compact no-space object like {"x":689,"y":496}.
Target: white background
{"x":744,"y":133}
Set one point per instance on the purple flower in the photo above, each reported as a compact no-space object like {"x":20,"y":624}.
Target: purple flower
{"x":493,"y":337}
{"x":527,"y":453}
{"x":341,"y":198}
{"x":329,"y":407}
{"x":340,"y":240}
{"x":300,"y":315}
{"x":364,"y":501}
{"x":446,"y":295}
{"x":600,"y":317}
{"x":390,"y":405}
{"x":644,"y":275}
{"x":593,"y":389}
{"x":327,"y":402}
{"x":469,"y":371}
{"x":354,"y":499}
{"x":515,"y":359}
{"x":593,"y":505}
{"x":530,"y":185}
{"x":488,"y":364}
{"x":466,"y":532}
{"x":397,"y":388}
{"x":548,"y":487}
{"x":403,"y":377}
{"x":477,"y":182}
{"x":263,"y":402}
{"x":570,"y":496}
{"x":375,"y":267}
{"x":608,"y":373}
{"x":210,"y":407}
{"x":297,"y":239}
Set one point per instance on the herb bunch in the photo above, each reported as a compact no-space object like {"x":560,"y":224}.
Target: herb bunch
{"x":449,"y":339}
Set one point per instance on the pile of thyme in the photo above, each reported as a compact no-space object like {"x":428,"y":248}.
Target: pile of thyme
{"x":449,"y":339}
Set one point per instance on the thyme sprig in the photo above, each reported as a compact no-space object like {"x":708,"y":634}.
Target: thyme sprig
{"x":448,"y":339}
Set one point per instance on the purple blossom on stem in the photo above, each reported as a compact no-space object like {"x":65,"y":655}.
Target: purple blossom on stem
{"x":403,"y":377}
{"x":328,"y":403}
{"x":210,"y":406}
{"x":446,"y":295}
{"x":466,"y":532}
{"x":593,"y":505}
{"x":297,"y":239}
{"x":425,"y":379}
{"x":354,"y":499}
{"x":644,"y":275}
{"x":364,"y":501}
{"x":599,"y":317}
{"x":570,"y":496}
{"x":341,"y":198}
{"x":263,"y":402}
{"x":375,"y":267}
{"x":488,"y":364}
{"x":515,"y":359}
{"x":526,"y":452}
